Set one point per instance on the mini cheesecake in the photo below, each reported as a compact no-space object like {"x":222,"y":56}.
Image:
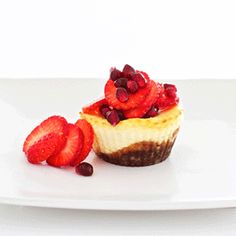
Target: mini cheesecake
{"x":136,"y":141}
{"x":137,"y":121}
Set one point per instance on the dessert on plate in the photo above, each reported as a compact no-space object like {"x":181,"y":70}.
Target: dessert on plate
{"x":137,"y":121}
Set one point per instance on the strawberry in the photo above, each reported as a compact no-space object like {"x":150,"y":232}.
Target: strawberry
{"x":94,"y":108}
{"x":72,"y":146}
{"x":87,"y":143}
{"x":133,"y":101}
{"x":53,"y":124}
{"x":45,"y":147}
{"x":141,"y":110}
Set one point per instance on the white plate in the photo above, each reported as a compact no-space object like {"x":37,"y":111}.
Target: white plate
{"x":200,"y":172}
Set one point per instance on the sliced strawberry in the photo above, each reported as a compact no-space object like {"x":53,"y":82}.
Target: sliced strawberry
{"x":88,"y":133}
{"x":45,"y":147}
{"x":53,"y":124}
{"x":141,"y":110}
{"x":72,"y":146}
{"x":134,"y":100}
{"x":94,"y":108}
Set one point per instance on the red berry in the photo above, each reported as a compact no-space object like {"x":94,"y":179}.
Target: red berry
{"x":121,"y":82}
{"x":113,"y":117}
{"x":120,"y":114}
{"x":128,"y":71}
{"x":170,"y":92}
{"x":122,"y":94}
{"x":88,"y":133}
{"x":152,"y":112}
{"x":172,"y":86}
{"x":115,"y":74}
{"x":84,"y":169}
{"x":72,"y":146}
{"x":140,"y":80}
{"x":132,"y":86}
{"x":53,"y":124}
{"x":104,"y":109}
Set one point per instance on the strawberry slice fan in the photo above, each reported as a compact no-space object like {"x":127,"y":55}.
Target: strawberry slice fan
{"x":58,"y":142}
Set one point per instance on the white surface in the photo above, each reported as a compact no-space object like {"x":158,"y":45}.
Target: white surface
{"x":189,"y":179}
{"x":27,"y":221}
{"x":84,"y":38}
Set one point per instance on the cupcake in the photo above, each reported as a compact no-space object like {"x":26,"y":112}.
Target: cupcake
{"x":137,"y":121}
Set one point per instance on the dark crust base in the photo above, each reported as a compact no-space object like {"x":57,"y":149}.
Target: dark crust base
{"x":140,"y":154}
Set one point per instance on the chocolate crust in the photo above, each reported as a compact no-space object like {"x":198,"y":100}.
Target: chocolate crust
{"x":141,"y":154}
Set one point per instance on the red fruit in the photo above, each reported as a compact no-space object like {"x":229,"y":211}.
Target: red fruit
{"x":122,"y":94}
{"x":113,"y":117}
{"x":121,"y":82}
{"x":115,"y":74}
{"x":72,"y":146}
{"x":172,"y":86}
{"x":45,"y":147}
{"x":84,"y":169}
{"x":167,"y":97}
{"x":128,"y":71}
{"x":104,"y":109}
{"x":134,"y":99}
{"x":53,"y":124}
{"x":141,"y":110}
{"x":95,"y":108}
{"x":132,"y":86}
{"x":144,"y":74}
{"x":140,"y":80}
{"x":153,"y":111}
{"x":88,"y":133}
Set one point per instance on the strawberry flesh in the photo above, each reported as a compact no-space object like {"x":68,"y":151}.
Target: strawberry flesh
{"x":88,"y":134}
{"x":95,"y":108}
{"x":53,"y":124}
{"x":45,"y":147}
{"x":141,"y":110}
{"x":72,"y":146}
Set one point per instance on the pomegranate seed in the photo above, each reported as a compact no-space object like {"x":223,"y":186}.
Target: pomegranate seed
{"x":104,"y":109}
{"x":121,"y":82}
{"x":115,"y":74}
{"x":140,"y":80}
{"x":120,"y":114}
{"x":84,"y":169}
{"x":128,"y":71}
{"x":113,"y":117}
{"x":152,"y":112}
{"x":132,"y":86}
{"x":170,"y":92}
{"x":122,"y":94}
{"x":167,"y":86}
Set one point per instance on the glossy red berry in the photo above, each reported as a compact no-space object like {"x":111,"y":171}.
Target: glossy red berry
{"x":152,"y":112}
{"x":113,"y":117}
{"x":84,"y":169}
{"x":115,"y":74}
{"x":104,"y":109}
{"x":121,"y":82}
{"x":128,"y":71}
{"x":132,"y":86}
{"x":140,"y":80}
{"x":122,"y":94}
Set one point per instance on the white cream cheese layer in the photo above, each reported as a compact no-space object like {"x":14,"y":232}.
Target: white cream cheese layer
{"x":110,"y":139}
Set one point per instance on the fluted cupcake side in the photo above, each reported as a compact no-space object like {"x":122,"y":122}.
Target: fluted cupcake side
{"x":136,"y":142}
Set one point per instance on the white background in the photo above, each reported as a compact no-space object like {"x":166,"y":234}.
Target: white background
{"x":168,"y":39}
